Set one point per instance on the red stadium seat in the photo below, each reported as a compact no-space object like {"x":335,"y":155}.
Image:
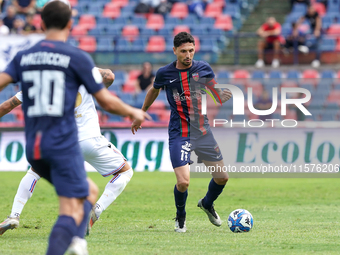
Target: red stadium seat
{"x":130,"y":32}
{"x":155,"y":21}
{"x":37,"y":21}
{"x":197,"y":43}
{"x":79,"y":30}
{"x":310,"y":74}
{"x":129,"y":85}
{"x":111,"y":10}
{"x":241,"y":77}
{"x":334,"y":97}
{"x":88,"y":21}
{"x":88,"y":43}
{"x":220,"y":2}
{"x":213,"y":10}
{"x":120,"y":3}
{"x":156,"y":44}
{"x":241,"y":74}
{"x":181,"y":28}
{"x":320,"y":8}
{"x":158,"y":104}
{"x":133,"y":74}
{"x":73,"y":2}
{"x":179,"y":10}
{"x":337,"y":47}
{"x":165,"y":115}
{"x":224,"y":22}
{"x":334,"y":29}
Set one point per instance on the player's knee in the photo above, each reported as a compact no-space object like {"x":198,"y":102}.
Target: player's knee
{"x":221,"y":181}
{"x":183,"y":185}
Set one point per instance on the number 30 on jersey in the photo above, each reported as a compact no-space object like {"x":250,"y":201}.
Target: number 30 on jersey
{"x":45,"y":84}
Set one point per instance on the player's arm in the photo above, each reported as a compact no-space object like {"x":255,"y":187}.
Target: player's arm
{"x":108,"y":76}
{"x":114,"y":105}
{"x":9,"y":105}
{"x":150,"y":97}
{"x":5,"y":79}
{"x":225,"y":95}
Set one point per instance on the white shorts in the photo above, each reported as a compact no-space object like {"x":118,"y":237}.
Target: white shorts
{"x":102,"y":155}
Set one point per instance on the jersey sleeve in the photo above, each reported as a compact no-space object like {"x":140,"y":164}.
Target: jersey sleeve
{"x":19,"y":96}
{"x":159,"y":79}
{"x":12,"y":69}
{"x":88,"y":74}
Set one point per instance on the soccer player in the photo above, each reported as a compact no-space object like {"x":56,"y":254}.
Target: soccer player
{"x":185,"y":133}
{"x":50,"y":73}
{"x":105,"y":158}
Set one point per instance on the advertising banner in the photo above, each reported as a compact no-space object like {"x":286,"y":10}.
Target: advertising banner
{"x":148,"y":149}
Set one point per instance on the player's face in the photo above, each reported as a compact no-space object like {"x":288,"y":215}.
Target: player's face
{"x":185,"y":54}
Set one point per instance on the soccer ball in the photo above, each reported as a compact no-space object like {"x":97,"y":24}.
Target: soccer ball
{"x":240,"y":220}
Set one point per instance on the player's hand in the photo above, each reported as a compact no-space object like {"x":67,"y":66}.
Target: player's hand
{"x":226,"y":95}
{"x":138,"y":117}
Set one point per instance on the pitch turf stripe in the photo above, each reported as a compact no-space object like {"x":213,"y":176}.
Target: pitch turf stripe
{"x":33,"y":185}
{"x":115,"y":171}
{"x":186,"y":104}
{"x":36,"y":148}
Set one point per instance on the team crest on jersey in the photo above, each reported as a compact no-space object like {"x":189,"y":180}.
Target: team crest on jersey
{"x":196,"y":76}
{"x":217,"y":149}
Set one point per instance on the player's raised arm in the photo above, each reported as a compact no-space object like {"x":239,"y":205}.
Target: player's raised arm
{"x":108,"y":76}
{"x":114,"y":105}
{"x":150,"y":97}
{"x":5,"y":79}
{"x":9,"y":105}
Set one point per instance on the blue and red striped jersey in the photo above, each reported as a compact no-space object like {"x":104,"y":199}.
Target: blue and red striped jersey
{"x":184,"y":88}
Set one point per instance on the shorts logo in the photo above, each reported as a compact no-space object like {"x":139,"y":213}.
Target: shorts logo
{"x":195,"y":76}
{"x":185,"y":151}
{"x":186,"y":146}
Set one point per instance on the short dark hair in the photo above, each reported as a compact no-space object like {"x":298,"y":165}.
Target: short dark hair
{"x":183,"y":37}
{"x":56,"y":14}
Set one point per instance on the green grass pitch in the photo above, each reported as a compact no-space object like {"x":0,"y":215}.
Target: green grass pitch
{"x":291,"y":216}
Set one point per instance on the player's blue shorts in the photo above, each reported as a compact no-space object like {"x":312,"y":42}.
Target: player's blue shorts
{"x":65,"y":172}
{"x":205,"y":147}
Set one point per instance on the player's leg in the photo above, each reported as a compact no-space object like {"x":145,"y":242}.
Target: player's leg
{"x":68,"y":176}
{"x":179,"y":148}
{"x":79,"y":244}
{"x":181,"y":194}
{"x":108,"y":161}
{"x":113,"y":189}
{"x":209,"y":153}
{"x":24,"y":192}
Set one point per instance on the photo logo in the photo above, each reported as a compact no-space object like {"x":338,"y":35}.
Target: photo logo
{"x":238,"y":100}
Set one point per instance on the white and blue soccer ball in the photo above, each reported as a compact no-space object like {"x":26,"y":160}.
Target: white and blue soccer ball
{"x":240,"y":220}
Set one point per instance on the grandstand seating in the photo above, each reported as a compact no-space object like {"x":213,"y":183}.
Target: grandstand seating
{"x":324,"y":86}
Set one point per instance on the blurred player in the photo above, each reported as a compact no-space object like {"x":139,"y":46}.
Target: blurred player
{"x":185,"y":132}
{"x":96,"y":149}
{"x":50,"y":73}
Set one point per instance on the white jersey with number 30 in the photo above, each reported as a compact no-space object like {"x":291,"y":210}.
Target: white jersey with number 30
{"x":85,"y":113}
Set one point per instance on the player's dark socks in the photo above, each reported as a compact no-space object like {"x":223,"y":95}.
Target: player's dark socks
{"x":180,"y":200}
{"x":82,"y":227}
{"x":61,"y":236}
{"x":214,"y":190}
